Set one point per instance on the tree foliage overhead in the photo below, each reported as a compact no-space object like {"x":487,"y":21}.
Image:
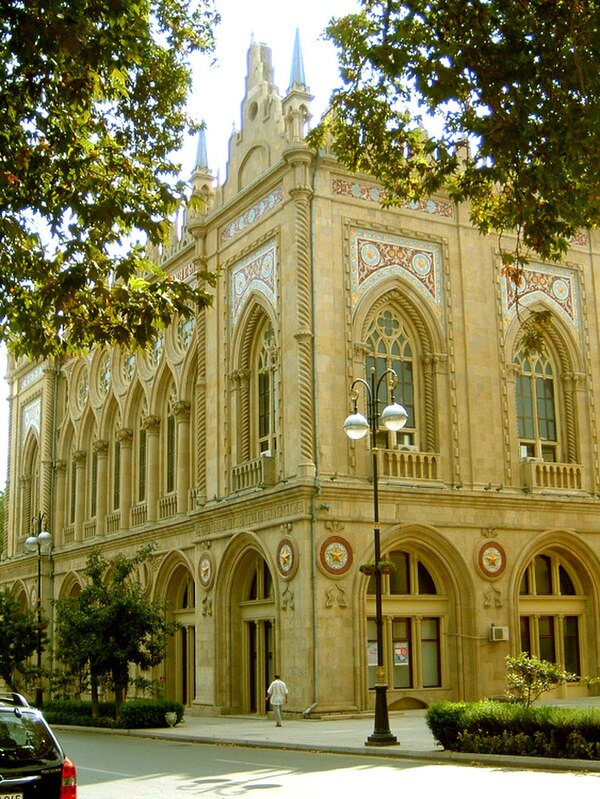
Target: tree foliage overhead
{"x":93,"y":103}
{"x":518,"y":81}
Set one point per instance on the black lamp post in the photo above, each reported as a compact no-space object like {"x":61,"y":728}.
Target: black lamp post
{"x":41,"y":543}
{"x":356,"y":427}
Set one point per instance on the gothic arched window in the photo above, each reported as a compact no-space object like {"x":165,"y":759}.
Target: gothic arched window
{"x":170,"y":443}
{"x":536,"y":406}
{"x":265,"y":392}
{"x":390,"y":347}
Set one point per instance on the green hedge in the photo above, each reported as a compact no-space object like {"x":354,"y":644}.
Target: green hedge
{"x":145,"y":713}
{"x":492,"y":727}
{"x":135,"y":714}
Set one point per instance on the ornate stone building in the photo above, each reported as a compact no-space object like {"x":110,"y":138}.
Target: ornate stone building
{"x":224,"y":445}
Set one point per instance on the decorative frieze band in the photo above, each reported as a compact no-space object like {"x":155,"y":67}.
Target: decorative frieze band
{"x":252,"y":215}
{"x":370,"y":192}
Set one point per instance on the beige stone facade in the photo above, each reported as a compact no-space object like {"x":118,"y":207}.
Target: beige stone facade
{"x":225,"y":444}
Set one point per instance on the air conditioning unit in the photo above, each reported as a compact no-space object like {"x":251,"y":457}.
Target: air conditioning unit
{"x":498,"y":633}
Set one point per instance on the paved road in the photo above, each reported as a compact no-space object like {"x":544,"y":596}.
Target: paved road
{"x":112,"y":766}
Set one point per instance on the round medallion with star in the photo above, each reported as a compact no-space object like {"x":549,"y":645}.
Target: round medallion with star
{"x":287,"y":558}
{"x":491,"y":559}
{"x":206,"y":570}
{"x":335,"y":555}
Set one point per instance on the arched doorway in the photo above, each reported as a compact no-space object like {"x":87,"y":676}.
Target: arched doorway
{"x":180,"y":671}
{"x":253,"y":640}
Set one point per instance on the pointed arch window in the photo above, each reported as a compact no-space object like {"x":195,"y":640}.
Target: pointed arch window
{"x":31,"y":498}
{"x":265,"y":392}
{"x":72,"y":490}
{"x":141,"y":456}
{"x":390,"y":347}
{"x":116,"y":471}
{"x":536,"y":406}
{"x":260,"y":585}
{"x":94,"y":484}
{"x":170,"y":442}
{"x":551,"y":612}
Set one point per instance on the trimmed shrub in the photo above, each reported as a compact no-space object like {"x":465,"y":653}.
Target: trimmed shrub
{"x":141,"y":714}
{"x":79,"y":712}
{"x":446,"y":720}
{"x":136,"y":714}
{"x":493,"y":727}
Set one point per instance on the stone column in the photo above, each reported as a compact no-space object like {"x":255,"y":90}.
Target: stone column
{"x":301,"y":159}
{"x":59,"y":521}
{"x":181,"y":411}
{"x":79,"y":456}
{"x":125,"y":436}
{"x":46,"y":439}
{"x":101,"y":448}
{"x":152,"y":425}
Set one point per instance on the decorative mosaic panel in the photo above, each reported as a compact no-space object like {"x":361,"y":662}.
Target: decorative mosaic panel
{"x":31,"y":376}
{"x":252,"y":215}
{"x":375,"y":256}
{"x":374,"y":194}
{"x":31,"y":416}
{"x":256,"y":272}
{"x":580,"y":239}
{"x":558,"y":286}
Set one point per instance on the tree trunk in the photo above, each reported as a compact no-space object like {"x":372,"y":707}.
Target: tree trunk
{"x":119,"y":697}
{"x":95,"y":699}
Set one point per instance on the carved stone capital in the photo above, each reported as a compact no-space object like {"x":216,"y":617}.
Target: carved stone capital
{"x":151,"y":423}
{"x":125,"y":436}
{"x":101,"y":446}
{"x":181,"y":410}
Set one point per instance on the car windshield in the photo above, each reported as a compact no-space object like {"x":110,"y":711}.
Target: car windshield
{"x":23,"y":736}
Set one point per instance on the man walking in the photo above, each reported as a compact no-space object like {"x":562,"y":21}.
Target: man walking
{"x":277,"y":694}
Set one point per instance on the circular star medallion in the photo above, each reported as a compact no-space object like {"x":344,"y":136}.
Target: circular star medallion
{"x":287,"y":558}
{"x":206,"y":570}
{"x":491,"y":559}
{"x":335,"y":555}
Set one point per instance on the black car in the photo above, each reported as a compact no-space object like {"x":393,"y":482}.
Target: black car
{"x":32,"y":762}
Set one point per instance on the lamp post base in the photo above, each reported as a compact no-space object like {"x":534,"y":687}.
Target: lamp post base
{"x":381,"y":735}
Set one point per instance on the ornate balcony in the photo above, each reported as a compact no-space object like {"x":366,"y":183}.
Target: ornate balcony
{"x":539,"y":474}
{"x":257,"y":473}
{"x":167,"y":506}
{"x":408,"y":464}
{"x":139,"y":514}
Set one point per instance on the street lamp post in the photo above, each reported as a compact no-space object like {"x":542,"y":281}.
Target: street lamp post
{"x":41,"y":543}
{"x":356,"y":427}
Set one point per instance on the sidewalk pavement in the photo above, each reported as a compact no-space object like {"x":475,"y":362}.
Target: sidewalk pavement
{"x":345,"y":735}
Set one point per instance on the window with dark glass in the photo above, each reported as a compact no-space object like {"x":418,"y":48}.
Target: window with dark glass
{"x":266,"y":393}
{"x":551,"y":631}
{"x":141,"y":486}
{"x":117,"y":475}
{"x":94,"y":485}
{"x":73,"y":493}
{"x":536,"y":407}
{"x":389,"y":347}
{"x":171,"y":445}
{"x":404,"y":634}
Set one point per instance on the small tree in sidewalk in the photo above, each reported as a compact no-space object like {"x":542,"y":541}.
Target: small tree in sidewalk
{"x":18,"y":641}
{"x":112,"y":624}
{"x":528,"y":678}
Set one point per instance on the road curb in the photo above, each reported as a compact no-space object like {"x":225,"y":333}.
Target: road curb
{"x":433,"y":757}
